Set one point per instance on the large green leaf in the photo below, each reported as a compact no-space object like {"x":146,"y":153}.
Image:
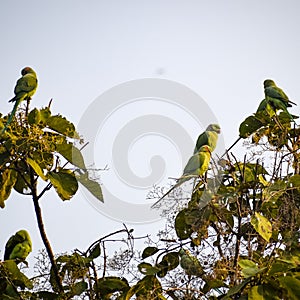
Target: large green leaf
{"x":71,"y":154}
{"x":274,"y":191}
{"x":92,"y":186}
{"x":213,"y":284}
{"x":95,"y":252}
{"x":111,"y":284}
{"x":149,"y":251}
{"x":262,"y":292}
{"x":169,"y":262}
{"x":262,"y":225}
{"x":15,"y":275}
{"x":7,"y":180}
{"x":35,"y":166}
{"x":237,"y":288}
{"x":34,"y":116}
{"x":249,"y":126}
{"x":21,"y":183}
{"x":281,"y":267}
{"x":295,"y":181}
{"x":61,"y":125}
{"x":45,"y":114}
{"x":147,"y":269}
{"x":183,"y":230}
{"x":77,"y":288}
{"x":64,"y":183}
{"x":291,"y":285}
{"x":147,"y":288}
{"x":249,"y":268}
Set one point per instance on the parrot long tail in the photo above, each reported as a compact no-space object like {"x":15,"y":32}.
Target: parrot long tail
{"x":165,"y":195}
{"x":180,"y":181}
{"x":231,"y":147}
{"x":13,"y":112}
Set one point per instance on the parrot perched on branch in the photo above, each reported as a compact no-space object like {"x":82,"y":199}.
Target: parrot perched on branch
{"x":196,"y":166}
{"x":25,"y":88}
{"x":18,"y":246}
{"x":272,"y":91}
{"x":208,"y":137}
{"x":275,"y":99}
{"x":190,"y":263}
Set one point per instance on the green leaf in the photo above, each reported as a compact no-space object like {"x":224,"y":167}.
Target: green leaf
{"x":36,"y":168}
{"x":169,"y":262}
{"x":21,"y":185}
{"x":78,"y":288}
{"x":291,"y":285}
{"x":16,"y":275}
{"x":262,"y":292}
{"x":249,"y":268}
{"x":4,"y":155}
{"x":281,"y":267}
{"x":149,"y":251}
{"x":61,"y":125}
{"x":92,"y":186}
{"x":149,"y":287}
{"x":34,"y":116}
{"x":236,"y":289}
{"x":147,"y":269}
{"x":292,"y":258}
{"x":249,"y":126}
{"x":64,"y":183}
{"x":7,"y":180}
{"x":213,"y":284}
{"x":262,"y":225}
{"x":71,"y":154}
{"x":45,"y":114}
{"x":274,"y":191}
{"x":111,"y":284}
{"x":95,"y":252}
{"x":295,"y":181}
{"x":183,"y":230}
{"x":43,"y":159}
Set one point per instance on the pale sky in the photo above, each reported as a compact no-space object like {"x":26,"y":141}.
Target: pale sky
{"x":221,"y":50}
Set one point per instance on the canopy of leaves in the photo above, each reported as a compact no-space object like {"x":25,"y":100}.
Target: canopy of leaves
{"x":41,"y":145}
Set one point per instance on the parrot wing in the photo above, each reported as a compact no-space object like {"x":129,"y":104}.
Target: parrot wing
{"x":201,"y":141}
{"x":278,"y":104}
{"x":278,"y":93}
{"x":25,"y":87}
{"x":11,"y":244}
{"x":192,"y":164}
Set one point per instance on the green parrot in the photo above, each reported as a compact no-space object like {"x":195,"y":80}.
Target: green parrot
{"x":208,"y":137}
{"x":25,"y":88}
{"x":18,"y":246}
{"x":275,"y":99}
{"x":273,"y":91}
{"x":196,"y":166}
{"x":271,"y":106}
{"x":190,"y":263}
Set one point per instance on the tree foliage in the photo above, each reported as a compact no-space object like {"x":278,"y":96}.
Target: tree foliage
{"x":235,"y":237}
